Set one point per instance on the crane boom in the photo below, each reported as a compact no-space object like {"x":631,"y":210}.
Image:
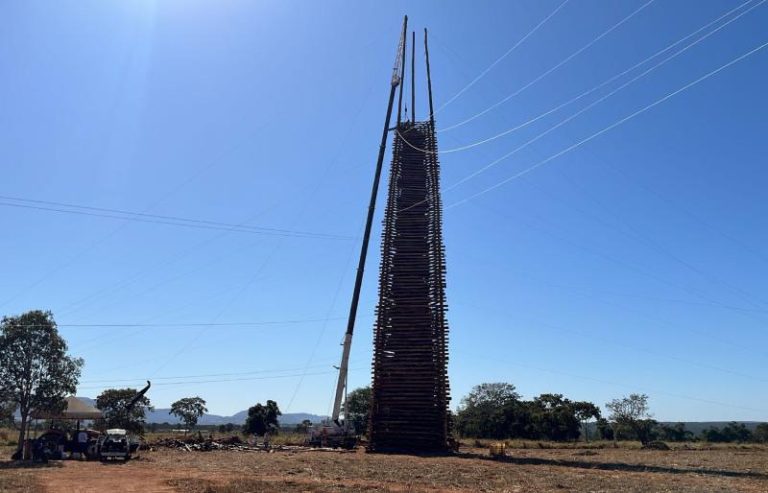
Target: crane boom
{"x":397,"y":78}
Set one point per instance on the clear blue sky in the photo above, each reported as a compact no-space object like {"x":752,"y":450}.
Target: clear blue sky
{"x":634,"y":263}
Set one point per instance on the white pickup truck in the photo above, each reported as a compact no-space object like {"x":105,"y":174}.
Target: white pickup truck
{"x":117,"y":444}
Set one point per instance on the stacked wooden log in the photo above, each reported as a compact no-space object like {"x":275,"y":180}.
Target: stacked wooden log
{"x":410,"y":384}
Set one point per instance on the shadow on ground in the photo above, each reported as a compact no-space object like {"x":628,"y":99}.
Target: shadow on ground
{"x":617,"y":466}
{"x":27,"y":464}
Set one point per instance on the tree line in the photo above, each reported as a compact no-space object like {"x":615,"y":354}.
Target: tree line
{"x":496,"y":410}
{"x":37,"y":374}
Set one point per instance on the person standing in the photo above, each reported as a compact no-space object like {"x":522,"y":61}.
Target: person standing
{"x":82,"y":443}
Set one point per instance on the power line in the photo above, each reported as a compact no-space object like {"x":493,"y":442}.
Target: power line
{"x":75,"y":258}
{"x":198,"y":382}
{"x":610,"y":127}
{"x":653,"y":244}
{"x":637,"y":269}
{"x":599,"y":86}
{"x":191,"y":324}
{"x":205,"y":375}
{"x":558,"y":65}
{"x":502,"y":57}
{"x":166,"y":220}
{"x":325,"y":324}
{"x":274,"y":251}
{"x":125,"y":282}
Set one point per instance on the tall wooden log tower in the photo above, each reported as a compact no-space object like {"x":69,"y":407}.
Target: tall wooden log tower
{"x":410,"y":394}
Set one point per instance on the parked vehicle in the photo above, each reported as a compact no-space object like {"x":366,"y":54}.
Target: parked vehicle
{"x":118,"y":444}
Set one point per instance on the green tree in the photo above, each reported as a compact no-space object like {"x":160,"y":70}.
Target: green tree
{"x":713,"y":435}
{"x":554,"y":418}
{"x":761,"y":433}
{"x":262,"y":418}
{"x":632,"y":413}
{"x":358,"y":408}
{"x":488,"y":410}
{"x":584,"y":411}
{"x":114,"y":403}
{"x":6,"y":414}
{"x":36,"y":373}
{"x":189,"y":410}
{"x":675,"y":432}
{"x":496,"y":394}
{"x":604,"y":430}
{"x":737,"y":432}
{"x":732,"y":432}
{"x":304,"y":426}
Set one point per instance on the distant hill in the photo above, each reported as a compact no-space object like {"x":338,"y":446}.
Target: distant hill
{"x":161,"y":415}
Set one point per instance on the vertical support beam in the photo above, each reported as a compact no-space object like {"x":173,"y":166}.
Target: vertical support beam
{"x":402,"y":73}
{"x":429,"y":81}
{"x":413,"y":77}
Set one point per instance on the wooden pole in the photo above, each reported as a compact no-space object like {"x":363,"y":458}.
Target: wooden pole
{"x":429,"y":80}
{"x":413,"y":77}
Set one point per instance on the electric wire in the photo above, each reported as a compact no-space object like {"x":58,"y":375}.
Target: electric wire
{"x":687,"y":212}
{"x":167,"y":220}
{"x":123,"y":283}
{"x":608,"y":128}
{"x":502,"y":57}
{"x":519,"y":126}
{"x":219,"y":381}
{"x":558,"y":65}
{"x":653,"y":244}
{"x":190,"y":324}
{"x":331,"y":164}
{"x":325,"y":324}
{"x":95,"y":243}
{"x":637,"y":269}
{"x":206,"y":375}
{"x":574,"y":115}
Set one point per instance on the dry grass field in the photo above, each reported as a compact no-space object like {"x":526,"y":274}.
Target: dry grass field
{"x":610,"y":469}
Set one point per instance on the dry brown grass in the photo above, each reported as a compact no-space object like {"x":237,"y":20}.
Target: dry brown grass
{"x":530,"y":469}
{"x":19,"y":477}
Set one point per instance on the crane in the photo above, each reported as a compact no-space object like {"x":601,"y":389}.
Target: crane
{"x":336,"y":432}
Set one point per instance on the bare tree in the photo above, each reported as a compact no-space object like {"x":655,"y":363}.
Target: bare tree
{"x":632,"y":412}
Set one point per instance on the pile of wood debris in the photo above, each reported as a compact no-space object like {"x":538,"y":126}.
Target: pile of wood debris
{"x":195,"y":444}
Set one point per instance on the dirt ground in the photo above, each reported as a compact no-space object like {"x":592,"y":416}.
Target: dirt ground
{"x":560,"y":470}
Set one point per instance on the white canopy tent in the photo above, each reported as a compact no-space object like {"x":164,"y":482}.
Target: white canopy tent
{"x":76,"y":409}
